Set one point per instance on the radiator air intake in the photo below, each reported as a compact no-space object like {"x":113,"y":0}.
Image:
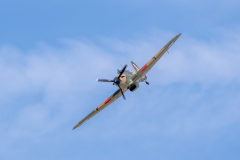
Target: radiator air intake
{"x":134,"y":87}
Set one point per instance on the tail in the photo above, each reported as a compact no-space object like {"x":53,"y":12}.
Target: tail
{"x":144,"y":78}
{"x":135,"y":66}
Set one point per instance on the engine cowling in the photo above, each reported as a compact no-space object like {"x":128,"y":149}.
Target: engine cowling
{"x":134,"y":87}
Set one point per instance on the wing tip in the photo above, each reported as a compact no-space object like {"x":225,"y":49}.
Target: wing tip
{"x":76,"y":126}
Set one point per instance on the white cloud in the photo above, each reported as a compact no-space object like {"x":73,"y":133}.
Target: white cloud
{"x":62,"y":82}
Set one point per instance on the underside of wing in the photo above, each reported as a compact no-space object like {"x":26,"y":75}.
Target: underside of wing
{"x":154,"y":60}
{"x":107,"y":102}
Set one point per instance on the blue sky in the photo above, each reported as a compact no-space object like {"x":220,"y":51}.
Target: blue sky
{"x":51,"y":53}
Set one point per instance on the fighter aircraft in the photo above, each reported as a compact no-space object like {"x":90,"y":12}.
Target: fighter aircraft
{"x":128,"y":80}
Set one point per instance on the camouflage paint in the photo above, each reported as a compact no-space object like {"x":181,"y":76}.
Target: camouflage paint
{"x":129,"y":79}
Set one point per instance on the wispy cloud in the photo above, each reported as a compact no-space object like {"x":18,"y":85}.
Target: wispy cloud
{"x":46,"y":90}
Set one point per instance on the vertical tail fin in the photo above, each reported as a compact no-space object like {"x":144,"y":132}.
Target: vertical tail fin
{"x":144,"y":78}
{"x":135,"y":66}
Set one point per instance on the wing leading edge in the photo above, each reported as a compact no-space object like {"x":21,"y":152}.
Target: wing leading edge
{"x":154,"y":60}
{"x":107,"y":102}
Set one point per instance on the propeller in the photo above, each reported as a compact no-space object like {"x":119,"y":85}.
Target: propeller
{"x":104,"y":80}
{"x":116,"y":80}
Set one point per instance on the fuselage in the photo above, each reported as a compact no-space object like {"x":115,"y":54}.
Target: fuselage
{"x":126,"y":79}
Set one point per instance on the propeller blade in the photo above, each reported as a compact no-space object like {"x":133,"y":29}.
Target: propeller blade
{"x":122,"y":93}
{"x":104,"y":80}
{"x":122,"y":71}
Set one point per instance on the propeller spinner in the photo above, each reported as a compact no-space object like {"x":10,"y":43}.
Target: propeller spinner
{"x":116,"y":80}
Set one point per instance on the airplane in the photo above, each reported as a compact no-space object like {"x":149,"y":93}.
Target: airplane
{"x":128,"y":80}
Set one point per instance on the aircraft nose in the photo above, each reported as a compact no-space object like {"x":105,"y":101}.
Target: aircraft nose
{"x":116,"y":80}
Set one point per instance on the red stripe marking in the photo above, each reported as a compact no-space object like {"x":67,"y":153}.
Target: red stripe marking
{"x":144,"y":67}
{"x":107,"y":100}
{"x":135,"y":67}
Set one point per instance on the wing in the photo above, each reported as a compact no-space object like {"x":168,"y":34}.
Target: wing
{"x":153,"y":61}
{"x":107,"y":102}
